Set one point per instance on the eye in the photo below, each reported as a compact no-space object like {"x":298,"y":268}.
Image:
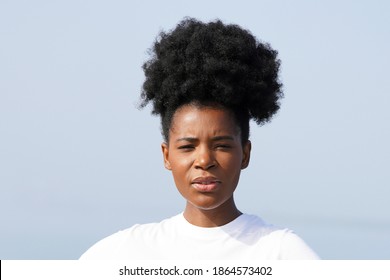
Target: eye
{"x":186,"y":148}
{"x":222,"y":146}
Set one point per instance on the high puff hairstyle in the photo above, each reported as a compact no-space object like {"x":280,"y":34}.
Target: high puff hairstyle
{"x":212,"y":64}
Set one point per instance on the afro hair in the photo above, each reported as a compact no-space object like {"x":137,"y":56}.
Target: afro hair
{"x":212,"y":63}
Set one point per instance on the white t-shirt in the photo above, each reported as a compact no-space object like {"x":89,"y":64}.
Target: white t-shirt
{"x":246,"y":237}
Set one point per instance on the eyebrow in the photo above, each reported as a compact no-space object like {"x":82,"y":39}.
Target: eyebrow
{"x":216,"y":138}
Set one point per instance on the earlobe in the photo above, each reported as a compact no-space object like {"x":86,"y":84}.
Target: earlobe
{"x":165,"y":151}
{"x":246,"y":154}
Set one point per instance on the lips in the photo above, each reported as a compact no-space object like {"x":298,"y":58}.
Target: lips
{"x":205,"y":184}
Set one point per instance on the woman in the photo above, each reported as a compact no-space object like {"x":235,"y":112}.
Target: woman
{"x":207,"y":81}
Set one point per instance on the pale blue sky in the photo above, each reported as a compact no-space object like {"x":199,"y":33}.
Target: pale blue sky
{"x":78,"y":161}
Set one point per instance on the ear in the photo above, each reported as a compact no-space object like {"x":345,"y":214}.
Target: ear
{"x":246,"y":150}
{"x":165,"y":151}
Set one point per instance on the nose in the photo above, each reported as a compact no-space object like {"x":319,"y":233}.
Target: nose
{"x":204,"y":159}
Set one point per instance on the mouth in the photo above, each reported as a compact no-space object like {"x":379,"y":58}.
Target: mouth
{"x":205,"y":184}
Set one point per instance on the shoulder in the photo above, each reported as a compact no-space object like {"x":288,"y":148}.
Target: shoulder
{"x":108,"y":246}
{"x":133,"y":238}
{"x":255,"y":226}
{"x":293,"y":247}
{"x":280,"y":243}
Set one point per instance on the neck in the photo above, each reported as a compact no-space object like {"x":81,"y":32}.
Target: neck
{"x":216,"y":217}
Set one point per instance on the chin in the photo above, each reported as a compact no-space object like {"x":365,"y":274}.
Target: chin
{"x":206,"y":205}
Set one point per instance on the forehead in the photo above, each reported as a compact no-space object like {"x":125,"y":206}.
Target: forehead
{"x":203,"y":119}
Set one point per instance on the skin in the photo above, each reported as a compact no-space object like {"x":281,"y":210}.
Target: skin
{"x":205,"y":155}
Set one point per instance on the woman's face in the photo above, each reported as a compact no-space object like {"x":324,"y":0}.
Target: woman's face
{"x":205,"y":155}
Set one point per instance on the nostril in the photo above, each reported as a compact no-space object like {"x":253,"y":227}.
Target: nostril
{"x":205,"y":159}
{"x":205,"y":166}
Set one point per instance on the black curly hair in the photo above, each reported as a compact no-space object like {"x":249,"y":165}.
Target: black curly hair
{"x":212,"y":64}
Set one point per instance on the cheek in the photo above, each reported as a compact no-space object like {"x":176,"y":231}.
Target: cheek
{"x":180,"y":168}
{"x":232,"y":162}
{"x":181,"y":161}
{"x":232,"y":167}
{"x":181,"y":179}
